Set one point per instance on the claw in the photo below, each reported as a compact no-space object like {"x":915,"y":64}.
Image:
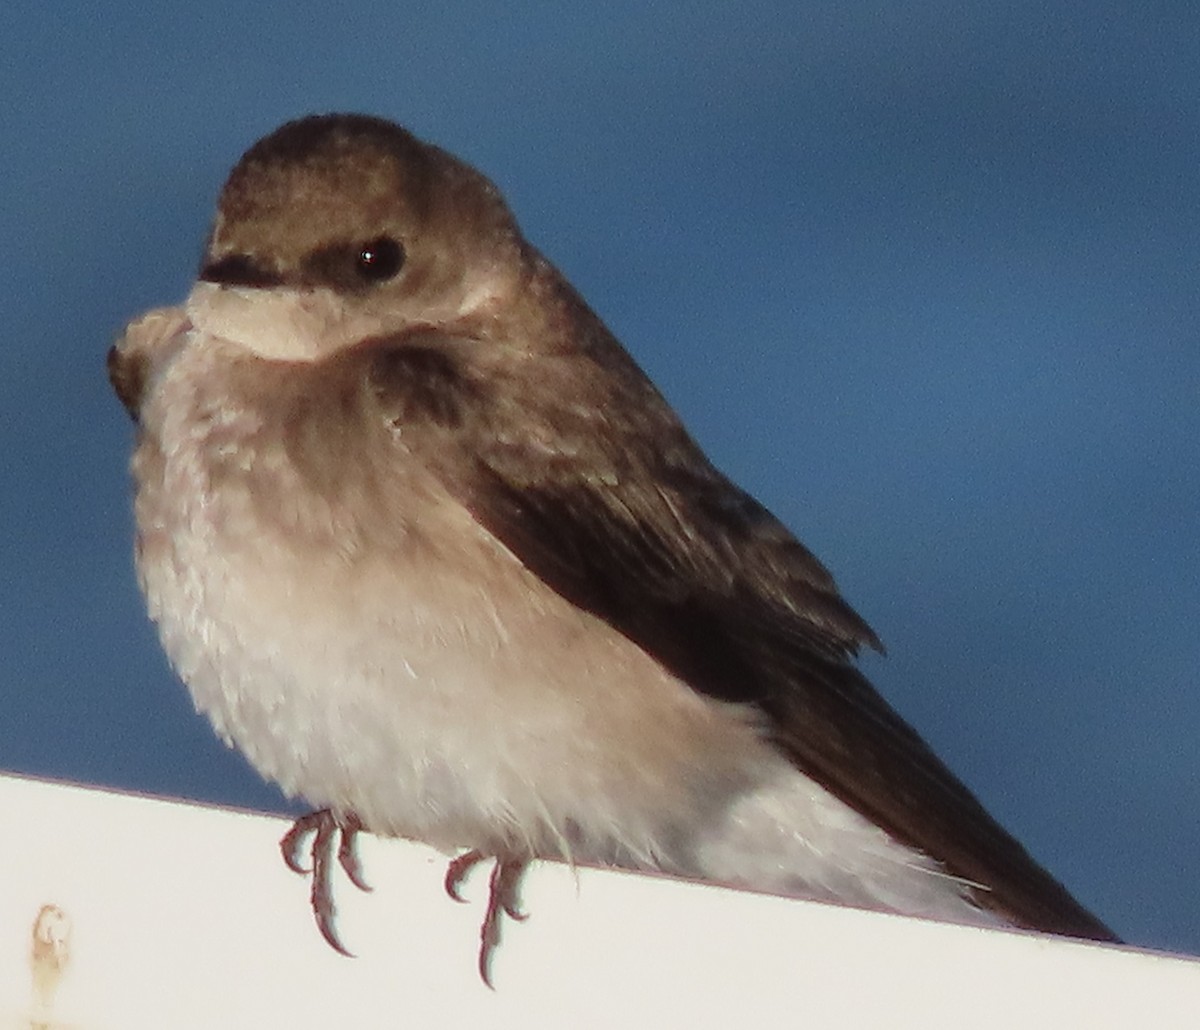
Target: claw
{"x":502,"y":900}
{"x":457,"y":871}
{"x":348,"y":856}
{"x":324,"y":825}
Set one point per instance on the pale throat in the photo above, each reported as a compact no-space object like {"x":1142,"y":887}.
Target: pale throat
{"x":278,"y":323}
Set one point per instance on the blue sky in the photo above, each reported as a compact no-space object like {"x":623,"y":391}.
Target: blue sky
{"x":920,"y":276}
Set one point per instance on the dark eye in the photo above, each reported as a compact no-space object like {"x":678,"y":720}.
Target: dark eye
{"x":380,"y":259}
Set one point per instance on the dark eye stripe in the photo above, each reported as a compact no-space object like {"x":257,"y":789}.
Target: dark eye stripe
{"x":239,"y":270}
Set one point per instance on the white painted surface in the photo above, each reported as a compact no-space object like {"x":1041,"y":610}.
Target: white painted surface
{"x":160,"y":914}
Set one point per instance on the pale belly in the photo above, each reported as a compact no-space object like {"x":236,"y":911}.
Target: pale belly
{"x":421,"y":678}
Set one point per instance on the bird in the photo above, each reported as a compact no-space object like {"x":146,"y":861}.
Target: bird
{"x":426,"y":544}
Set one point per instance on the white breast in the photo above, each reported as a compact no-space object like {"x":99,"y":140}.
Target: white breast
{"x":427,"y":682}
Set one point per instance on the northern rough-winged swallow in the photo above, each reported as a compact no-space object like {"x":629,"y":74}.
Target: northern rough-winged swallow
{"x":427,"y":545}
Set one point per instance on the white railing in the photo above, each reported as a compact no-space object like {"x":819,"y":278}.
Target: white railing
{"x":126,"y":912}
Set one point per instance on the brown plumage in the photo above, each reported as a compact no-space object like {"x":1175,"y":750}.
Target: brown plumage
{"x":425,"y":542}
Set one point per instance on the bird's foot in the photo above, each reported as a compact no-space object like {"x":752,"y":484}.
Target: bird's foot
{"x":324,"y":826}
{"x":502,"y":899}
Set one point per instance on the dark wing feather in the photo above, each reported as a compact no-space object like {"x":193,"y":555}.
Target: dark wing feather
{"x":625,"y":518}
